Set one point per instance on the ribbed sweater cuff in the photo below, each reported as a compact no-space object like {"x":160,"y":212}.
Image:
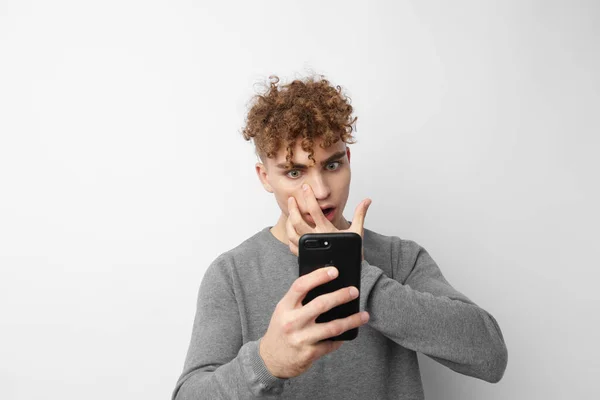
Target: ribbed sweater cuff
{"x":259,"y":379}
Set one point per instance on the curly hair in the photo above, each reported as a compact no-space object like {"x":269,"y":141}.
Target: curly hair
{"x":306,"y":110}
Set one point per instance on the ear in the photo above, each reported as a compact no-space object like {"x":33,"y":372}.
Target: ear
{"x":348,"y":153}
{"x":263,"y":176}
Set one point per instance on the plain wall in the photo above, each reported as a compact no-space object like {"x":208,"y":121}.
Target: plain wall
{"x":123,"y":173}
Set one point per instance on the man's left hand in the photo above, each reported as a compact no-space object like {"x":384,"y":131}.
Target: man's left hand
{"x":296,"y":226}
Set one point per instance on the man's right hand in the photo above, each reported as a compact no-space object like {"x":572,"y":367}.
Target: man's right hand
{"x":290,"y":345}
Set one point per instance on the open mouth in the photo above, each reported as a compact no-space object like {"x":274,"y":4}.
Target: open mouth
{"x":327,"y":211}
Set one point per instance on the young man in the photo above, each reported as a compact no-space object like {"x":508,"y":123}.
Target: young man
{"x":252,"y":338}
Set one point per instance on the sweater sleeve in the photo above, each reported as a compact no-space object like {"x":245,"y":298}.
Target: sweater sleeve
{"x":424,"y":313}
{"x":218,"y":365}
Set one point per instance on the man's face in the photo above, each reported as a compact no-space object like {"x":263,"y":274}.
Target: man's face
{"x":329,"y":179}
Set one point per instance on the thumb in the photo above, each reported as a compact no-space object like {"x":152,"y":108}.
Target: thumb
{"x":358,"y":222}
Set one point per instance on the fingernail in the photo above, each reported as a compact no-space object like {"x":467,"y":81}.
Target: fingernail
{"x":353,"y":292}
{"x":364,"y":316}
{"x":332,"y":272}
{"x":304,"y":186}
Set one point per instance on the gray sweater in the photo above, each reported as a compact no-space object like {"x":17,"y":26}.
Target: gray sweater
{"x":412,"y":308}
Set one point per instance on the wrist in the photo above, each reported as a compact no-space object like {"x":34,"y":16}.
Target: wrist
{"x":259,"y":379}
{"x":264,"y":355}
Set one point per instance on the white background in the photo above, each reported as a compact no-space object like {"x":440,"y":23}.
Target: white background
{"x":123,"y":173}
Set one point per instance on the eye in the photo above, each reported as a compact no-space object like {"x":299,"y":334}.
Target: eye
{"x":289,"y":174}
{"x":336,"y":163}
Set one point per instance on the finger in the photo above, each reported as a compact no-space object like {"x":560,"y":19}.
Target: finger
{"x":336,"y":344}
{"x":336,"y":327}
{"x":360,"y":213}
{"x":298,"y":225}
{"x":326,"y":347}
{"x":324,"y":303}
{"x":292,"y":235}
{"x":313,"y":208}
{"x":305,"y":283}
{"x":293,"y":249}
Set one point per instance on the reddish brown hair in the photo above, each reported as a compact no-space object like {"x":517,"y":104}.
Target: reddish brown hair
{"x":303,"y":109}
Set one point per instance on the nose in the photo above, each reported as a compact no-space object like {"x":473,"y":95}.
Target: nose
{"x":319,"y":186}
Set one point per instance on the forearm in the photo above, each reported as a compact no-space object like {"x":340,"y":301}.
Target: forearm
{"x":456,"y":333}
{"x":244,"y":377}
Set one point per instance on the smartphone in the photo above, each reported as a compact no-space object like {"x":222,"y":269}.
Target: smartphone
{"x":342,"y":250}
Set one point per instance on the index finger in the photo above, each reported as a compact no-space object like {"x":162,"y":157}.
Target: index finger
{"x":313,"y":207}
{"x":295,"y":218}
{"x":306,"y":283}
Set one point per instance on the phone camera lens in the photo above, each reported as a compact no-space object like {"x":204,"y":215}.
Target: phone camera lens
{"x":311,"y":244}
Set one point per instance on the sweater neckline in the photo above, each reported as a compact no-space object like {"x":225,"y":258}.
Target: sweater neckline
{"x":276,"y":242}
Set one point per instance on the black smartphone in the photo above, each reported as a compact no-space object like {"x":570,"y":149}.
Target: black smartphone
{"x":342,"y":250}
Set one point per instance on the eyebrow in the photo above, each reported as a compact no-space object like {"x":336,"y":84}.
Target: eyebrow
{"x":333,"y":157}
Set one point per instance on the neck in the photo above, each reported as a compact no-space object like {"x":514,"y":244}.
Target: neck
{"x":280,"y":232}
